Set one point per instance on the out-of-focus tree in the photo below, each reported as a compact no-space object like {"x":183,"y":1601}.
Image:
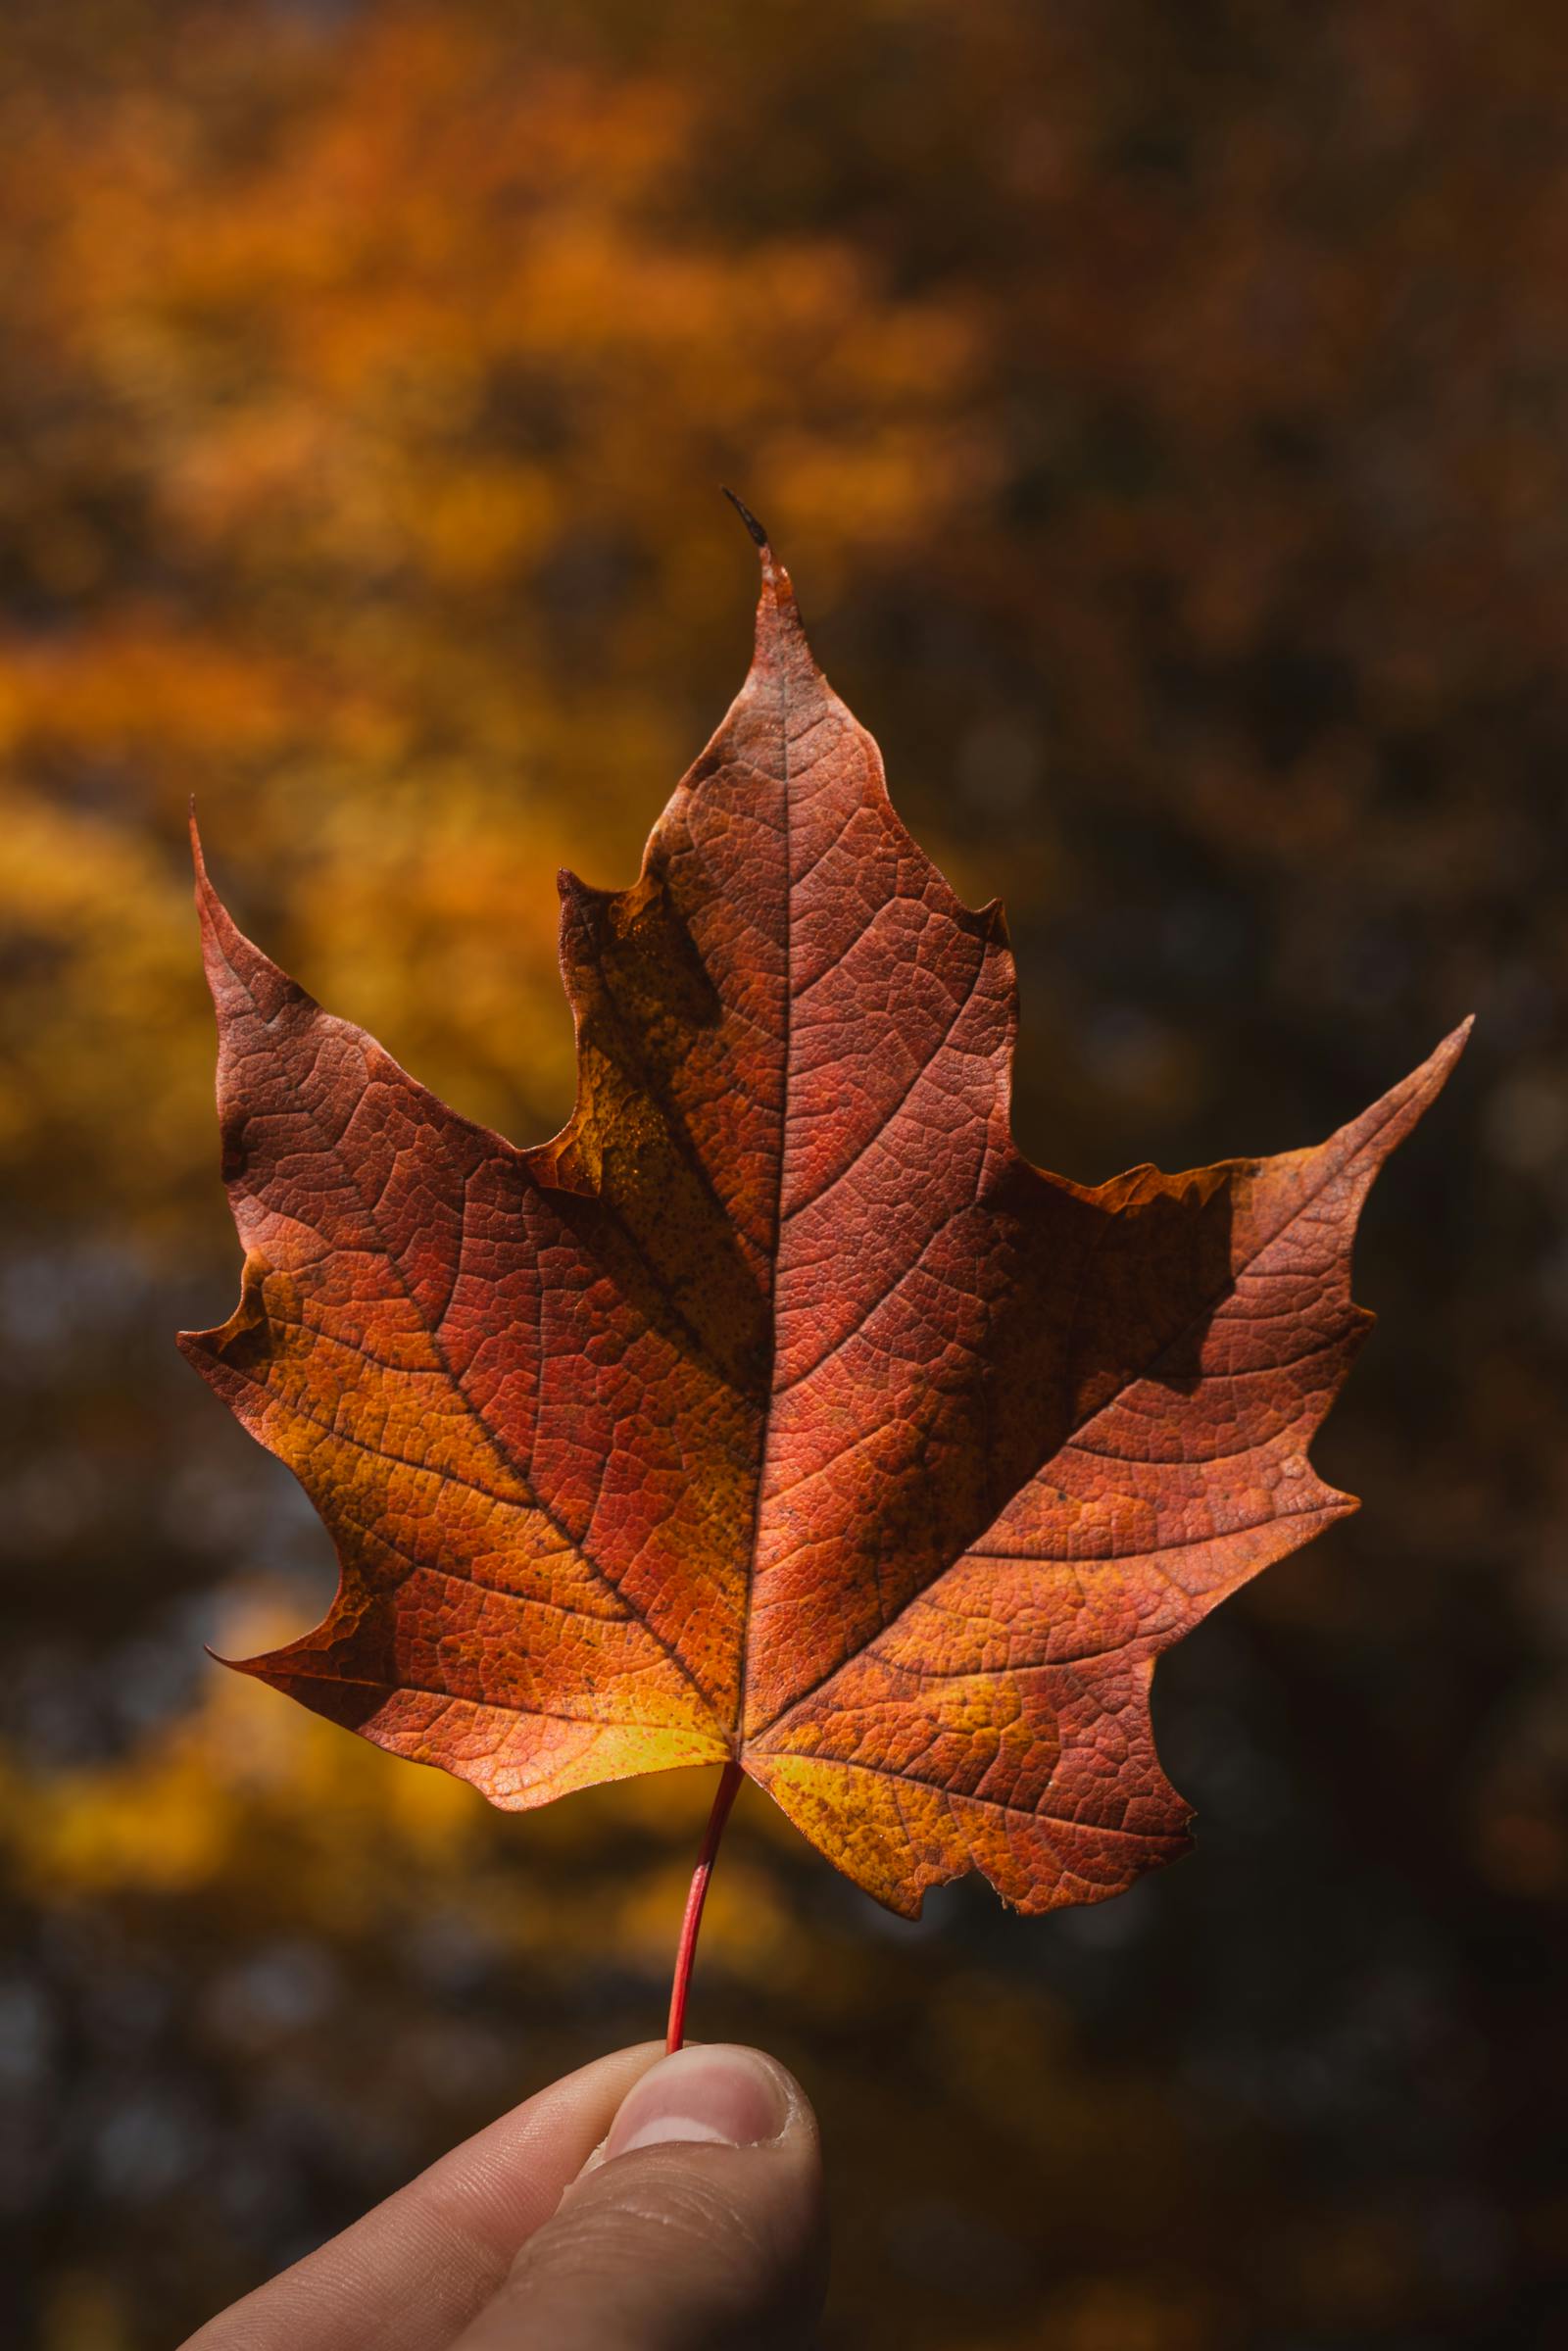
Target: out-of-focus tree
{"x":1162,"y":411}
{"x":361,"y":483}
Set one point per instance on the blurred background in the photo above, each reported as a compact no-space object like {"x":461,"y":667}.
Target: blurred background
{"x":1162,"y":412}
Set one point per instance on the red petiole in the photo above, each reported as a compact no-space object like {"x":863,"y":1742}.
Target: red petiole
{"x":729,"y":1781}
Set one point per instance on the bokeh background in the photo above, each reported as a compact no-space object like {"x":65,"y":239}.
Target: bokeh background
{"x":1162,"y":411}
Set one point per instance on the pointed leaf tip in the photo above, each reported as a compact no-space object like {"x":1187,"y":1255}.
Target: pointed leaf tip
{"x":1440,"y":1062}
{"x":758,"y":533}
{"x":211,"y":910}
{"x":778,"y":618}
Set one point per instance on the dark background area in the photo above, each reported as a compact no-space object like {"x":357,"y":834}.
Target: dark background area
{"x":1162,"y":413}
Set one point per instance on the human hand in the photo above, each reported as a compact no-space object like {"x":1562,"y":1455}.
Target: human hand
{"x":647,"y":2203}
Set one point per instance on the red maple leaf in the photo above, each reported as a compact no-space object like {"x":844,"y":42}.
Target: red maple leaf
{"x":778,"y":1414}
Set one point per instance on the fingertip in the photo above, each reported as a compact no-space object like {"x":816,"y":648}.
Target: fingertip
{"x":698,"y":2219}
{"x":718,"y":2093}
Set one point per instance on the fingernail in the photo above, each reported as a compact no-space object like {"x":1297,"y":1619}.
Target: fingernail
{"x":724,"y":2097}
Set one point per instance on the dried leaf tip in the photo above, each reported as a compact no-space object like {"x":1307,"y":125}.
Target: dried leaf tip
{"x":758,"y":534}
{"x":779,"y":633}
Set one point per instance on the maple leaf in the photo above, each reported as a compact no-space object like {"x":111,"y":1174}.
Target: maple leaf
{"x":779,"y":1412}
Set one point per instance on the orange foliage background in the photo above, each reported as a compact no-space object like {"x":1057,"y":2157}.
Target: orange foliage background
{"x":1162,"y":413}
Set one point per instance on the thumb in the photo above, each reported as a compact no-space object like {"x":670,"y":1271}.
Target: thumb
{"x":698,"y":2227}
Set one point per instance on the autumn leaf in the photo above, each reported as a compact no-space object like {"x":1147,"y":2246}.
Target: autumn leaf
{"x":778,"y":1414}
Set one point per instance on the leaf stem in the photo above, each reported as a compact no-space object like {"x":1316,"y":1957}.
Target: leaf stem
{"x":729,"y":1780}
